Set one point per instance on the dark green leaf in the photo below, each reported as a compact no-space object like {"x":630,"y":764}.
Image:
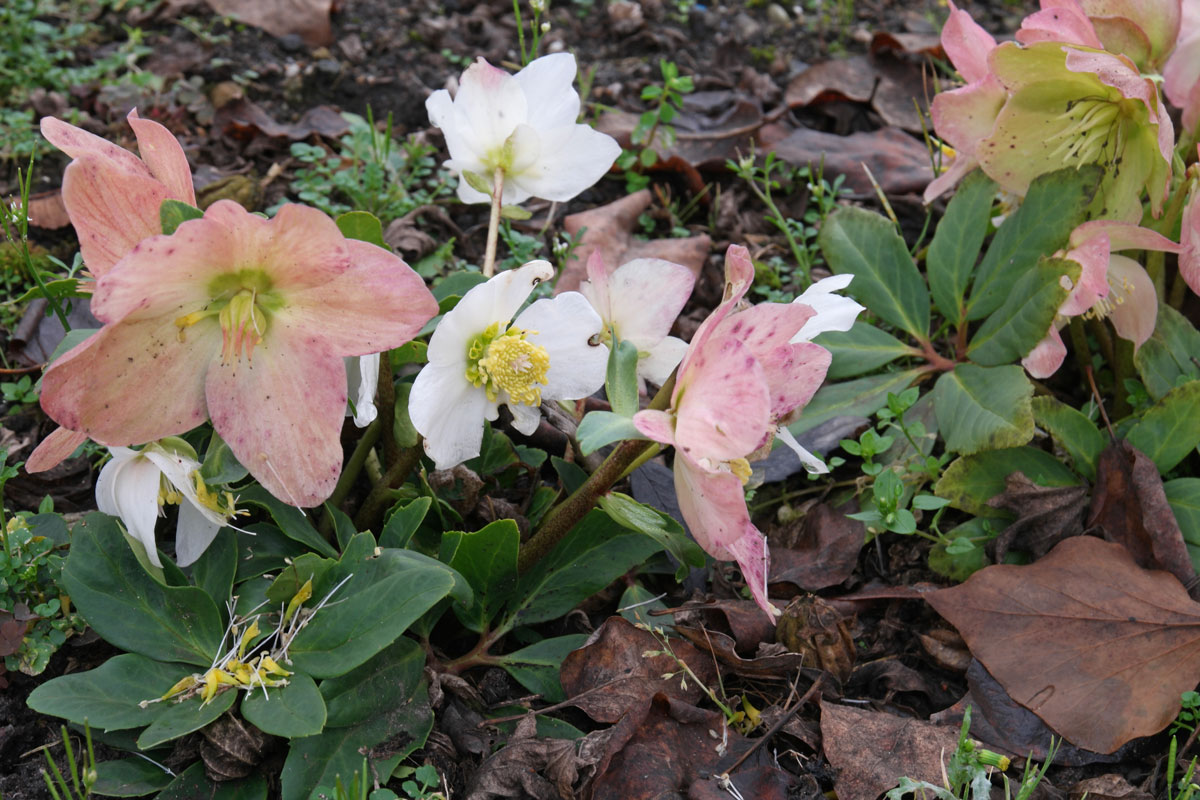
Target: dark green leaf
{"x":863,"y":348}
{"x":173,"y":213}
{"x":297,"y":709}
{"x":487,"y":558}
{"x":1025,"y":316}
{"x":536,"y":667}
{"x":184,"y":717}
{"x":129,"y":777}
{"x":957,"y":241}
{"x":1166,"y":358}
{"x":969,"y":482}
{"x":629,"y":513}
{"x":403,"y":522}
{"x":983,"y":408}
{"x":886,"y":280}
{"x":363,"y":226}
{"x":1053,"y":206}
{"x":1170,"y":429}
{"x":266,"y":550}
{"x":215,"y":569}
{"x":107,"y":697}
{"x":1183,"y":494}
{"x":193,"y":784}
{"x":220,"y":465}
{"x":1073,"y":431}
{"x":570,"y":473}
{"x":294,"y":523}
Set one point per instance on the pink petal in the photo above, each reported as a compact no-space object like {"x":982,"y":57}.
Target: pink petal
{"x":1046,"y":356}
{"x":54,"y":449}
{"x":754,"y":558}
{"x":739,"y":276}
{"x":1121,"y":74}
{"x":1157,"y":23}
{"x":1181,"y":74}
{"x":712,"y":503}
{"x":133,"y":381}
{"x":1124,"y":236}
{"x":965,"y":116}
{"x":658,"y":425}
{"x":966,"y":44}
{"x":77,"y":143}
{"x":595,"y":288}
{"x":959,"y":167}
{"x":1059,"y":21}
{"x":1189,"y":238}
{"x":1092,"y":256}
{"x":1136,"y":302}
{"x":112,"y":208}
{"x":645,"y":296}
{"x":160,"y":150}
{"x":299,"y":247}
{"x":724,"y":407}
{"x":375,"y":305}
{"x":281,"y":414}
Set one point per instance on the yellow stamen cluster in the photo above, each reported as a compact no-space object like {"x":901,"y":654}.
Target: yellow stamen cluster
{"x":508,"y":362}
{"x":741,"y":468}
{"x":242,"y":326}
{"x":1091,"y":132}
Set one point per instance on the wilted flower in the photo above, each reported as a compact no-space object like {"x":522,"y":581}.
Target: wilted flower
{"x":741,"y":377}
{"x":480,"y":358}
{"x":640,"y":300}
{"x":135,"y":485}
{"x":523,"y":125}
{"x":245,"y":321}
{"x":1109,"y":285}
{"x":362,"y":381}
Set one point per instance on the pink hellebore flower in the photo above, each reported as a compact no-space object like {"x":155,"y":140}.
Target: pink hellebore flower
{"x":640,"y":301}
{"x":1181,"y":75}
{"x":523,"y":124}
{"x":740,"y":377}
{"x":245,"y":321}
{"x":1189,"y":242}
{"x":1108,"y":285}
{"x":1142,"y":30}
{"x":112,"y":198}
{"x":965,"y":115}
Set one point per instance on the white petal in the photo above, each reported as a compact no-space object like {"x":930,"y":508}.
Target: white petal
{"x":179,"y":471}
{"x":661,"y":360}
{"x":449,"y":412}
{"x":833,"y":312}
{"x":547,"y":83}
{"x":564,"y":326}
{"x":362,"y":378}
{"x":489,"y":105}
{"x":193,"y":534}
{"x":132,"y":491}
{"x":459,"y":140}
{"x":525,"y":418}
{"x":494,"y":301}
{"x":811,"y":463}
{"x":571,"y":159}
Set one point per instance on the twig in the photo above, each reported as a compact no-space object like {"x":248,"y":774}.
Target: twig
{"x":776,"y":728}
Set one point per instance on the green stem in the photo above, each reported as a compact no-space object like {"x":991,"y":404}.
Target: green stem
{"x":563,"y":517}
{"x":385,"y":402}
{"x":489,"y":258}
{"x":1156,"y":268}
{"x":1179,"y":289}
{"x":1079,"y":344}
{"x":520,"y":31}
{"x":371,"y":511}
{"x":351,"y":471}
{"x":1122,"y":370}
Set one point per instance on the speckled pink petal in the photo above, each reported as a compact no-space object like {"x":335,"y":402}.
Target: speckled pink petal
{"x":713,"y":504}
{"x":966,"y":44}
{"x":1059,"y":21}
{"x":76,"y":142}
{"x":281,"y":414}
{"x":133,"y":381}
{"x":1092,"y":255}
{"x":161,"y":152}
{"x":1136,"y":302}
{"x":375,"y":305}
{"x":658,"y":425}
{"x":54,"y":449}
{"x":753,"y":557}
{"x":1189,"y":239}
{"x":724,"y":407}
{"x":739,"y":276}
{"x":965,"y":116}
{"x":301,"y":247}
{"x":646,"y":295}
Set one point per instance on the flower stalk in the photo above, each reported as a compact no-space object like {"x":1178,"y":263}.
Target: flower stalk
{"x":489,"y":257}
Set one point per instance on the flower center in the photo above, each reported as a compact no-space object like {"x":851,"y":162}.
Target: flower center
{"x":242,"y":302}
{"x":1089,"y":132}
{"x":242,"y":326}
{"x":508,"y":362}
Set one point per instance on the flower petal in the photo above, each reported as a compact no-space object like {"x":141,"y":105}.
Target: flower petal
{"x":76,"y":142}
{"x":1136,"y":309}
{"x":739,"y":276}
{"x":300,"y":387}
{"x":1059,"y":21}
{"x":753,"y":557}
{"x":128,"y":488}
{"x":832,"y":311}
{"x":525,"y":418}
{"x":362,"y":382}
{"x":1189,"y":239}
{"x":712,"y":503}
{"x":724,"y":406}
{"x":54,"y":449}
{"x":570,"y":160}
{"x":101,"y":387}
{"x":449,"y":412}
{"x":966,"y":44}
{"x":658,"y":425}
{"x":645,"y":297}
{"x":564,"y":326}
{"x":812,"y":464}
{"x":489,"y":105}
{"x":496,"y":300}
{"x":661,"y":360}
{"x":547,"y":84}
{"x":1046,"y":356}
{"x":378,"y":303}
{"x":161,"y":152}
{"x":193,"y":534}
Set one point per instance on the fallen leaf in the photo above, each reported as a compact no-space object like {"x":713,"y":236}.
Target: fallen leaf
{"x":824,"y":554}
{"x":46,"y":210}
{"x":898,"y":161}
{"x":1096,"y":646}
{"x":891,"y":85}
{"x":1107,"y":787}
{"x":742,"y":618}
{"x":309,"y":19}
{"x":610,"y":676}
{"x":242,"y":119}
{"x":712,"y":128}
{"x":544,"y":769}
{"x":888,"y":678}
{"x":1045,"y":515}
{"x":1131,"y":508}
{"x":772,"y":666}
{"x":871,"y":750}
{"x":610,"y":230}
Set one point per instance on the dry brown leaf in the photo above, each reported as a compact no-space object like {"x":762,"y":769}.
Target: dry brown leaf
{"x":872,"y":750}
{"x":824,"y":554}
{"x":898,"y":161}
{"x":610,"y":230}
{"x":891,"y":85}
{"x":774,"y":666}
{"x":1107,"y":787}
{"x":1045,"y":515}
{"x":46,"y":210}
{"x":1131,"y":508}
{"x":309,"y":19}
{"x":242,"y":119}
{"x":1096,"y":646}
{"x":610,"y":677}
{"x":544,"y":769}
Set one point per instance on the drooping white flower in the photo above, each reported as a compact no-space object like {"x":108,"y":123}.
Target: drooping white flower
{"x":525,"y":125}
{"x":135,"y":484}
{"x":479,"y":360}
{"x":640,"y":300}
{"x":362,"y":381}
{"x":834,"y":312}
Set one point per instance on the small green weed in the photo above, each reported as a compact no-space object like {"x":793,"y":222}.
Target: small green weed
{"x":83,"y":775}
{"x":654,"y":131}
{"x":19,"y":393}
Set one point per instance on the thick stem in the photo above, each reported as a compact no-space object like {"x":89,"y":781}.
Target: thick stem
{"x":489,"y":257}
{"x":385,"y":402}
{"x":1079,"y":344}
{"x":371,"y":512}
{"x":1123,"y":370}
{"x":355,"y":464}
{"x":936,"y":359}
{"x":563,"y":517}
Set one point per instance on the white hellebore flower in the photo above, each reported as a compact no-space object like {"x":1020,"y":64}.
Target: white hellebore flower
{"x":834,"y":312}
{"x":523,"y":124}
{"x":640,"y":300}
{"x":362,"y":381}
{"x":135,"y":485}
{"x":478,"y":360}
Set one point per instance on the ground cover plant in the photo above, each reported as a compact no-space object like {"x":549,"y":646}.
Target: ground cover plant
{"x":562,"y":415}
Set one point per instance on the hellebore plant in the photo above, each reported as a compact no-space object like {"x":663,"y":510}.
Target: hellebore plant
{"x":112,"y":198}
{"x":512,"y":137}
{"x":741,"y":377}
{"x":135,"y":485}
{"x":639,"y":302}
{"x":1181,"y":74}
{"x":1109,"y":285}
{"x":243,"y":321}
{"x":481,"y":358}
